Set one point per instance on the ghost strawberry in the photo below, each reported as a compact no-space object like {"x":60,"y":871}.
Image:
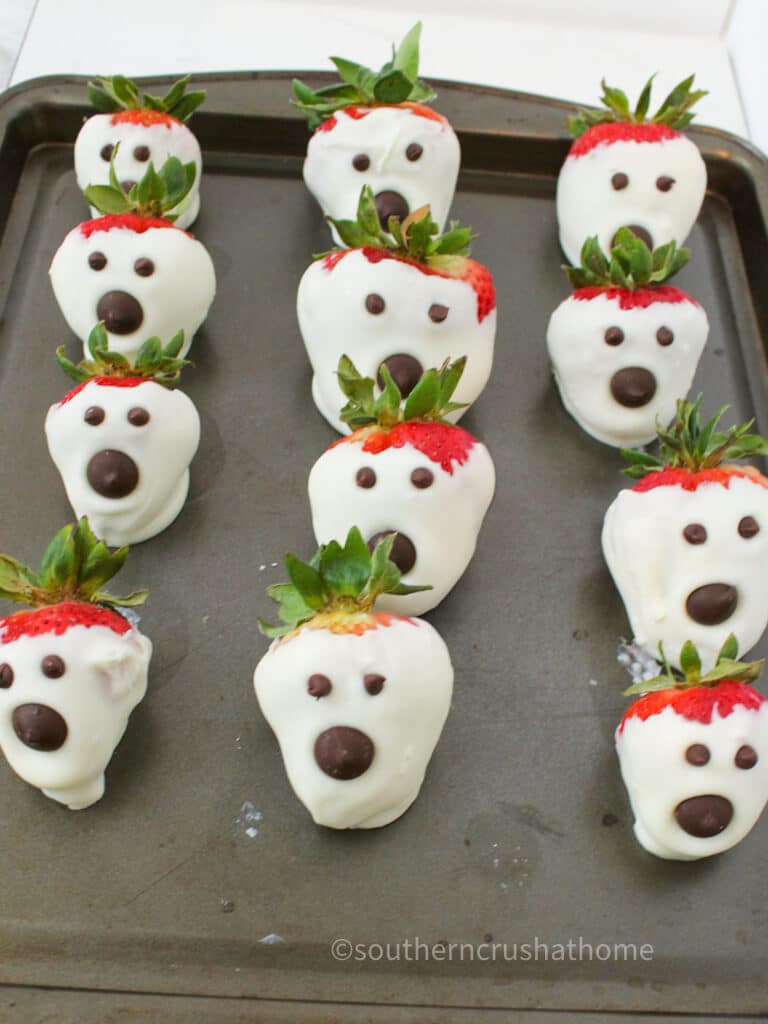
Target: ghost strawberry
{"x":133,"y":268}
{"x":628,"y":170}
{"x":356,"y":698}
{"x":145,"y":128}
{"x":123,"y":440}
{"x":687,"y":546}
{"x":693,"y":752}
{"x":625,"y":345}
{"x":71,"y":670}
{"x":407,"y":472}
{"x":407,"y":297}
{"x":373,"y":128}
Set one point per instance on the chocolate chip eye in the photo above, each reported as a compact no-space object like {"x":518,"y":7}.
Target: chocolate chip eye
{"x":695,"y":533}
{"x":361,"y":162}
{"x":413,"y":152}
{"x":106,"y":152}
{"x":141,"y":153}
{"x":665,"y":336}
{"x":748,"y":527}
{"x":374,"y":303}
{"x":614,"y":336}
{"x":94,"y":415}
{"x":437,"y":312}
{"x":697,"y":755}
{"x":97,"y":261}
{"x":53,"y":666}
{"x":746,"y":757}
{"x":144,"y":266}
{"x":319,"y":685}
{"x":6,"y":675}
{"x":619,"y":181}
{"x":374,"y":683}
{"x":664,"y":183}
{"x":138,"y":417}
{"x":422,"y":478}
{"x":365,"y":477}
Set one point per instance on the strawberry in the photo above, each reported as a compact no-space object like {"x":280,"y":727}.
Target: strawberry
{"x":625,"y":345}
{"x":133,"y":268}
{"x":144,"y":128}
{"x":627,"y":170}
{"x":687,"y":545}
{"x":406,"y":471}
{"x":356,"y":698}
{"x":374,"y":127}
{"x":693,"y":752}
{"x":71,"y":670}
{"x":122,"y":440}
{"x":408,"y":297}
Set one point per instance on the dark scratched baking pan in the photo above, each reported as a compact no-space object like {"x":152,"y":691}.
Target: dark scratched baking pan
{"x":522,"y":832}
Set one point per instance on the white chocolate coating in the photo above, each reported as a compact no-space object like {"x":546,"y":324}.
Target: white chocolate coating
{"x":162,"y":450}
{"x":163,"y":140}
{"x":584,"y":364}
{"x":587,"y":203}
{"x":334,"y":321}
{"x":175,"y":297}
{"x":404,"y":720}
{"x":105,"y":678}
{"x":383,"y":135}
{"x":655,"y":568}
{"x":443,"y":521}
{"x":658,"y":777}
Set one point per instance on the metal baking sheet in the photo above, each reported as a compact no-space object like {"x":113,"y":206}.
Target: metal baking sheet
{"x":522,"y":832}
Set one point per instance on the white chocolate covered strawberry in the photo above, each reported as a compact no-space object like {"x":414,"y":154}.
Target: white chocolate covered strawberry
{"x":135,"y":129}
{"x":407,"y":472}
{"x":627,"y":170}
{"x":408,"y":298}
{"x":374,"y":129}
{"x":693,"y":753}
{"x":356,"y":698}
{"x":132,"y":268}
{"x":123,"y":440}
{"x":71,"y":670}
{"x":625,"y":345}
{"x":687,"y":546}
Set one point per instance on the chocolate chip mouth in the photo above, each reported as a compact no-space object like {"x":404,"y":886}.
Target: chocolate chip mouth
{"x":633,"y":387}
{"x":120,"y":311}
{"x":391,"y":204}
{"x":112,"y":473}
{"x":403,"y":552}
{"x":39,"y":727}
{"x":343,"y":752}
{"x":712,"y":604}
{"x":639,"y":232}
{"x":704,"y":816}
{"x":404,"y":369}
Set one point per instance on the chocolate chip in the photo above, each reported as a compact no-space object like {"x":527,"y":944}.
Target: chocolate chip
{"x":664,"y":183}
{"x":106,"y":152}
{"x":391,"y":204}
{"x":712,"y":604}
{"x":748,"y":527}
{"x":374,"y":683}
{"x":414,"y":151}
{"x":144,"y":267}
{"x":365,"y":477}
{"x":697,"y":754}
{"x":695,"y":533}
{"x":422,"y":477}
{"x":138,"y":416}
{"x":746,"y":757}
{"x":343,"y":753}
{"x":619,"y":181}
{"x":53,"y":666}
{"x":375,"y":303}
{"x":94,"y":415}
{"x":405,"y":371}
{"x":403,"y":552}
{"x":437,"y":312}
{"x":639,"y":232}
{"x":704,"y":816}
{"x":614,"y":336}
{"x":112,"y":474}
{"x":121,"y":312}
{"x":361,"y":162}
{"x":97,"y":261}
{"x":39,"y":727}
{"x":141,"y":153}
{"x":127,"y":185}
{"x":633,"y":387}
{"x":319,"y":685}
{"x":6,"y":675}
{"x":665,"y":336}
